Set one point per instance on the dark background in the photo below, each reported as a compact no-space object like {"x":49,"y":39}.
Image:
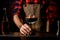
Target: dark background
{"x":12,"y":27}
{"x":7,"y":4}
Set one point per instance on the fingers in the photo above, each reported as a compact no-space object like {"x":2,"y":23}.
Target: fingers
{"x":27,"y":27}
{"x":22,"y":32}
{"x":25,"y":30}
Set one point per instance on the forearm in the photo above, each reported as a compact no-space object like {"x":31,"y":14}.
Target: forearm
{"x":17,"y":21}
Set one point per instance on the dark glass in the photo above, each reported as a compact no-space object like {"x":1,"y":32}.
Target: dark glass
{"x":31,"y":20}
{"x":5,"y":22}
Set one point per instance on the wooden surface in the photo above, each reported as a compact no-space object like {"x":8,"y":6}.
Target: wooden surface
{"x":17,"y":34}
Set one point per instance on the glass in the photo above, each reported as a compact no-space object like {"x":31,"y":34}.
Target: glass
{"x":31,"y":12}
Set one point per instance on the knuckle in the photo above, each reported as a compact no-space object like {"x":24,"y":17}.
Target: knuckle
{"x":25,"y":24}
{"x":22,"y":33}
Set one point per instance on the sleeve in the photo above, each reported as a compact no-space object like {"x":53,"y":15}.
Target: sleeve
{"x":16,"y":7}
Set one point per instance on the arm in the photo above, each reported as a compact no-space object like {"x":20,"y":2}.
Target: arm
{"x":16,"y":10}
{"x":23,"y":28}
{"x":17,"y":21}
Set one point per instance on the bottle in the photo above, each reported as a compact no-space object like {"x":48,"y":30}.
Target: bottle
{"x":5,"y":23}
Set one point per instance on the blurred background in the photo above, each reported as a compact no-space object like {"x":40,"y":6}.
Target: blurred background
{"x":7,"y":25}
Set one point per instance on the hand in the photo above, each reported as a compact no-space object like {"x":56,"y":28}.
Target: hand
{"x":25,"y":30}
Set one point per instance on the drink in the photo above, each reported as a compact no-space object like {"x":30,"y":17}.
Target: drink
{"x":30,"y":20}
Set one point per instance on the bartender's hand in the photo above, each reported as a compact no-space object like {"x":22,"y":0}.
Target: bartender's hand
{"x":25,"y":30}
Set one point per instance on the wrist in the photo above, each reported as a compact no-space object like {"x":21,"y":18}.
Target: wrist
{"x":19,"y":26}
